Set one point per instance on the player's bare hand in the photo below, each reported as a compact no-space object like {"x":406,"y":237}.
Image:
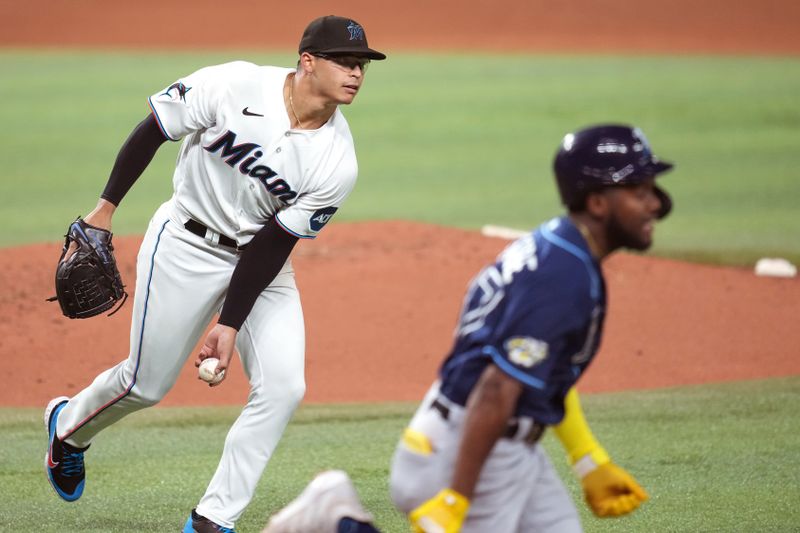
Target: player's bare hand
{"x":220,"y":343}
{"x":610,"y":491}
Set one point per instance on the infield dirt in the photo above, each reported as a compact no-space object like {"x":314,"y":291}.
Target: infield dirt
{"x":380,"y":312}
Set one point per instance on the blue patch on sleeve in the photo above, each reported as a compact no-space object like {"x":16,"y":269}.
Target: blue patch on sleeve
{"x":321,"y":217}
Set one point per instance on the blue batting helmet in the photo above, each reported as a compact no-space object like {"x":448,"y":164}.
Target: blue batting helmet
{"x":602,"y":156}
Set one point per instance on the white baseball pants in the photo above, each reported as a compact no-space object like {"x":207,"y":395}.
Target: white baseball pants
{"x":518,"y":489}
{"x":181,"y":284}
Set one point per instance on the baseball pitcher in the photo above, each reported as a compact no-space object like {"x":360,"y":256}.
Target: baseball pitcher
{"x":267,"y":158}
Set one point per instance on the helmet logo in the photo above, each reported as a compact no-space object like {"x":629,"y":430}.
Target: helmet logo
{"x":622,"y":173}
{"x":612,"y":148}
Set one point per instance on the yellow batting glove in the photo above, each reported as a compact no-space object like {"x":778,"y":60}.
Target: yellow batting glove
{"x":609,"y":490}
{"x":444,"y":513}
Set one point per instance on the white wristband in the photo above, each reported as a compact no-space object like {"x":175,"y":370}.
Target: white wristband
{"x":584,"y":466}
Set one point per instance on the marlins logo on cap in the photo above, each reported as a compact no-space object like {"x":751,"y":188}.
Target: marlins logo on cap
{"x":356,"y":31}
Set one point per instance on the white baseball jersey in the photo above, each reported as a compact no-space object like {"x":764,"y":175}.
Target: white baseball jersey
{"x":239,"y":166}
{"x":241,"y":163}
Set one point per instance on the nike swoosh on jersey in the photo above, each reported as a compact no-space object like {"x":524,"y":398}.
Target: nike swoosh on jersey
{"x":246,"y":111}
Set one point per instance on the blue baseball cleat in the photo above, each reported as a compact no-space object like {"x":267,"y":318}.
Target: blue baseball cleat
{"x":200,"y":524}
{"x":62,"y":462}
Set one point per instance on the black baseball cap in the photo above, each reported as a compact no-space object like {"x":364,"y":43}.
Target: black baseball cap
{"x":337,"y":36}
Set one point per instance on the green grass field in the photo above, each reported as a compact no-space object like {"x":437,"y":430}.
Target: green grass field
{"x":721,"y":458}
{"x":450,"y":139}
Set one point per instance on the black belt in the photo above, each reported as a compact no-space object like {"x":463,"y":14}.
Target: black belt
{"x":200,"y":230}
{"x":532,"y":437}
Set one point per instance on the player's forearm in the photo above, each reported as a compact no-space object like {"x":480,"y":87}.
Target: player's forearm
{"x":260,"y":262}
{"x":575,"y":434}
{"x":134,"y":156}
{"x":490,"y":405}
{"x":481,"y":431}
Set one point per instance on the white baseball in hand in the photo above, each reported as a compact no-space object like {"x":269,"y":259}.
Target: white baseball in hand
{"x":207,"y":370}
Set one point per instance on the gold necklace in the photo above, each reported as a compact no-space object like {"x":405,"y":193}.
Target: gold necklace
{"x":589,"y":239}
{"x":291,"y":105}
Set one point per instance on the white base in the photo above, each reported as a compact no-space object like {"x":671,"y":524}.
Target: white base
{"x":775,"y":267}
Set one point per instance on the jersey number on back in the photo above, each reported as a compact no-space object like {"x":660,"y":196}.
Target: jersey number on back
{"x":488,"y":288}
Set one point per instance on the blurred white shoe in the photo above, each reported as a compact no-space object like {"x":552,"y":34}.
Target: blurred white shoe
{"x":329,"y":497}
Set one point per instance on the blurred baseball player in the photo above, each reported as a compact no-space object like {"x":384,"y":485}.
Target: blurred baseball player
{"x":529,"y":327}
{"x":267,"y":158}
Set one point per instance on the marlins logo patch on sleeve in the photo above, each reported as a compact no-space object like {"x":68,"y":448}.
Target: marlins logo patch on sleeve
{"x":177,"y":92}
{"x":525,"y":351}
{"x":321,"y":217}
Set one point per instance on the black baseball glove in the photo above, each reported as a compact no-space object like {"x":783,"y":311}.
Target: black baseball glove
{"x":88,"y":282}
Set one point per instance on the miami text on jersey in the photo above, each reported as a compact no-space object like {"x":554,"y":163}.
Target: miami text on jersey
{"x":237,"y":154}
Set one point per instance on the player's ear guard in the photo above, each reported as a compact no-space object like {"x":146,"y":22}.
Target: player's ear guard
{"x":666,"y":202}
